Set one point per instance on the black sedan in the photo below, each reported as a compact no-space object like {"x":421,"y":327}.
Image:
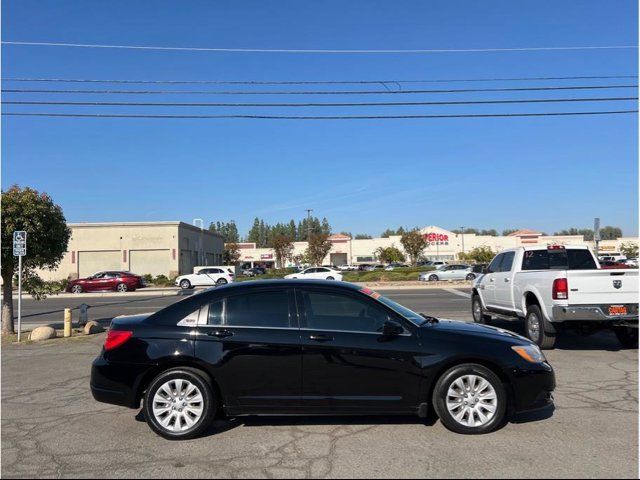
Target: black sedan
{"x":314,"y":347}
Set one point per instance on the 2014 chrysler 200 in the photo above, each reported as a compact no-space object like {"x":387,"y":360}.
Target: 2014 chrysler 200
{"x":314,"y":347}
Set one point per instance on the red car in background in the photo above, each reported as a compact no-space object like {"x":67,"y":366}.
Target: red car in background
{"x":608,"y":265}
{"x":113,"y":280}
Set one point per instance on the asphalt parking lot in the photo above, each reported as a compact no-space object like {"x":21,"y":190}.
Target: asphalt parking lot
{"x":51,"y":427}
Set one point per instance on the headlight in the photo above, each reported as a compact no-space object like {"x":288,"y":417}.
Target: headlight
{"x":530,"y":353}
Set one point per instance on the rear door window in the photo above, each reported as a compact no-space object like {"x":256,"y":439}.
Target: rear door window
{"x":267,"y":309}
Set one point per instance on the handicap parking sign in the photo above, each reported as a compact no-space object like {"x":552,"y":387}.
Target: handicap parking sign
{"x":19,"y":243}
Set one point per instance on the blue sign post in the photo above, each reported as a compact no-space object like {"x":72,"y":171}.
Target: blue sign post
{"x":19,"y":250}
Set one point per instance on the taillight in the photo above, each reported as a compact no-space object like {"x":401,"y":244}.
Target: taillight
{"x":560,"y":289}
{"x":116,"y":338}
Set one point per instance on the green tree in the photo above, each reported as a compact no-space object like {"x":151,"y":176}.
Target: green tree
{"x":491,"y":232}
{"x":481,"y":254}
{"x":610,"y":233}
{"x":363,"y":236}
{"x":587,"y":233}
{"x":228,"y":230}
{"x":231,"y":253}
{"x":508,"y":231}
{"x":629,"y":249}
{"x":414,"y":244}
{"x":389,"y":254}
{"x":282,"y":247}
{"x":47,"y":239}
{"x":319,"y":247}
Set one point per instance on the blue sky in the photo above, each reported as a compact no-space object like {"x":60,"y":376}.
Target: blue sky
{"x":364,"y":176}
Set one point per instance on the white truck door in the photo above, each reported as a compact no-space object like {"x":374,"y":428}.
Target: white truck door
{"x":488,"y":282}
{"x":503,"y":282}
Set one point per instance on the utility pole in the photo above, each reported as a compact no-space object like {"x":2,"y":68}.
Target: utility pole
{"x":201,"y":255}
{"x":309,"y":210}
{"x":462,"y":230}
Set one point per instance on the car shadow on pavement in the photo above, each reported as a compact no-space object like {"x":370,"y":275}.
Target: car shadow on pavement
{"x":571,"y":340}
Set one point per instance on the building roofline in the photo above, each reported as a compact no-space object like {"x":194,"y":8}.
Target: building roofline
{"x":143,"y":224}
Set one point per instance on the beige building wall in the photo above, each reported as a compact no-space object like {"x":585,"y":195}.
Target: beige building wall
{"x":156,"y":248}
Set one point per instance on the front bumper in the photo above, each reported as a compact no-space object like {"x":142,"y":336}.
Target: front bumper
{"x":595,"y":313}
{"x":533,"y":387}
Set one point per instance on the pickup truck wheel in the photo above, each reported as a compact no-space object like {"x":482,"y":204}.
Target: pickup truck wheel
{"x":535,"y":329}
{"x":476,"y":309}
{"x":627,"y":336}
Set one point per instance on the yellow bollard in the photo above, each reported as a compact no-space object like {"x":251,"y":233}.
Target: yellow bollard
{"x":67,"y":322}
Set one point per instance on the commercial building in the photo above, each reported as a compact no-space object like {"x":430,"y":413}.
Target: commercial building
{"x":155,"y":248}
{"x":441,"y":245}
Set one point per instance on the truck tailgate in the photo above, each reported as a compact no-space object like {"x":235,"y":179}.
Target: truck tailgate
{"x":589,"y":287}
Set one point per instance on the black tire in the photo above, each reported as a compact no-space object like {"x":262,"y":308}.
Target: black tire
{"x":471,"y":276}
{"x":221,"y":281}
{"x":209,"y":403}
{"x":440,"y":394}
{"x":330,"y":278}
{"x":627,"y":336}
{"x":185,"y":284}
{"x":433,"y":278}
{"x":537,"y":330}
{"x":476,"y":311}
{"x":76,"y":289}
{"x":122,"y":287}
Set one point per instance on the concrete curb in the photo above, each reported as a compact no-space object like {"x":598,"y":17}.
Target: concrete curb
{"x":145,"y":292}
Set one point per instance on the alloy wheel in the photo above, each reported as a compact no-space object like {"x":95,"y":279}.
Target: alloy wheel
{"x":533,"y":327}
{"x":76,"y":289}
{"x":121,"y":287}
{"x":472,"y":401}
{"x":178,"y":405}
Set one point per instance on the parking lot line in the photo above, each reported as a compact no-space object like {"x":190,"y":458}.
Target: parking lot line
{"x":457,"y":292}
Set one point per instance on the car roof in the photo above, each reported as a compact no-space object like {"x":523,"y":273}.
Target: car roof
{"x":250,"y":284}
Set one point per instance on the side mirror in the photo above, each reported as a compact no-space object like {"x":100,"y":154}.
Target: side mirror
{"x":391,"y":329}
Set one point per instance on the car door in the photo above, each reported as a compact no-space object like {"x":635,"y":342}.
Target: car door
{"x":309,"y":273}
{"x":348,"y":365}
{"x":251,"y":345}
{"x":487,"y":283}
{"x":205,"y":277}
{"x":100,"y":282}
{"x":504,"y":282}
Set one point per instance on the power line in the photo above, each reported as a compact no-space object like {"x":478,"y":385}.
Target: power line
{"x":336,"y":117}
{"x":347,"y":104}
{"x":327,"y":92}
{"x":324,"y":51}
{"x":315,"y":82}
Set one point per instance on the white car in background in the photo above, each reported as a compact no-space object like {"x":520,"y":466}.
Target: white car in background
{"x":449,"y":272}
{"x":317,"y":273}
{"x":206,"y":277}
{"x":347,"y":268}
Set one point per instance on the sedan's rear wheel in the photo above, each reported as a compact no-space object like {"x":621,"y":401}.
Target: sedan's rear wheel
{"x":470,"y":399}
{"x":330,"y":278}
{"x":221,"y":281}
{"x":122,"y":287}
{"x":179,"y":404}
{"x":76,"y":289}
{"x":471,"y":276}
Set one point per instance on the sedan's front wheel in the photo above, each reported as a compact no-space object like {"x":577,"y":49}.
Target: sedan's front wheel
{"x":221,"y":281}
{"x":179,"y":404}
{"x":470,"y":399}
{"x":185,"y":284}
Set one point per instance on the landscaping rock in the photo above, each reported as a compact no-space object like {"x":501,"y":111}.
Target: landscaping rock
{"x":42,"y":333}
{"x":91,"y":328}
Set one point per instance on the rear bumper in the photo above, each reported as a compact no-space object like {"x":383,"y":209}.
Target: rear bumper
{"x":116,"y":384}
{"x":533,"y":387}
{"x":595,"y":313}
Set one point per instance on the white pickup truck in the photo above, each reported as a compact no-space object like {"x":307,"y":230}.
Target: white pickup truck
{"x":556,"y":287}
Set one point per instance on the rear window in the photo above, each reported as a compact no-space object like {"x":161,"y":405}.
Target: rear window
{"x":569,"y":259}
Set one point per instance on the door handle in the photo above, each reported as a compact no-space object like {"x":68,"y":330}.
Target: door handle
{"x":320,"y":338}
{"x":220,"y":333}
{"x":507,"y":280}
